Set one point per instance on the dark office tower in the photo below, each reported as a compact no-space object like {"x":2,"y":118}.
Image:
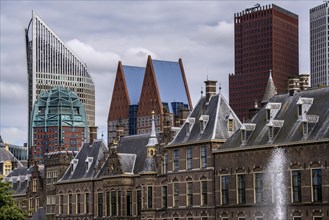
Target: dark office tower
{"x":265,"y":38}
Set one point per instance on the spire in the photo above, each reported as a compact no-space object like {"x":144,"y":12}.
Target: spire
{"x":149,"y":164}
{"x":270,"y":90}
{"x":153,"y":140}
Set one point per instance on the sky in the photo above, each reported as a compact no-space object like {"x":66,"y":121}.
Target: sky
{"x":102,"y":33}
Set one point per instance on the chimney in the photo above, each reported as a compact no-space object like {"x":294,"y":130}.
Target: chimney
{"x":183,"y":114}
{"x":293,"y":85}
{"x":92,"y":134}
{"x":304,"y":81}
{"x":210,"y":88}
{"x":120,"y":128}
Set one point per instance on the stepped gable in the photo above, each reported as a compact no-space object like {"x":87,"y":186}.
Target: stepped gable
{"x":217,"y":111}
{"x":95,"y":152}
{"x":292,"y":130}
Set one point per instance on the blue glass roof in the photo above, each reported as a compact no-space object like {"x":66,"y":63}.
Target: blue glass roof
{"x":134,"y":79}
{"x":170,"y":82}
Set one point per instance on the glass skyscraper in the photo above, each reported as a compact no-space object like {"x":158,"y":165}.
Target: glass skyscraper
{"x":50,"y":63}
{"x":319,"y":39}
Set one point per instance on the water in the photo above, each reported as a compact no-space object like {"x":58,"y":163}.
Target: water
{"x":275,"y":178}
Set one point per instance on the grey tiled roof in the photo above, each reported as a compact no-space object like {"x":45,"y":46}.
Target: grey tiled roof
{"x":39,"y":214}
{"x":135,"y":144}
{"x":218,"y":111}
{"x":96,"y":151}
{"x":7,"y":155}
{"x":292,"y":130}
{"x":127,"y":162}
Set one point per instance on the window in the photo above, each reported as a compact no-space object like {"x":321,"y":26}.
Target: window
{"x":176,"y":195}
{"x":37,"y":203}
{"x":51,"y":203}
{"x":268,"y":115}
{"x":149,"y":197}
{"x":258,"y":187}
{"x":241,"y":189}
{"x":55,"y":176}
{"x":189,"y":158}
{"x":164,"y":197}
{"x":189,"y":194}
{"x":108,"y":203}
{"x":297,"y":218}
{"x":119,"y":203}
{"x":300,"y":110}
{"x":317,"y":218}
{"x":113,"y":203}
{"x":100,"y":204}
{"x":165,"y":164}
{"x":78,"y":203}
{"x":49,"y":176}
{"x":176,"y":160}
{"x":31,"y":210}
{"x":317,"y":185}
{"x":87,"y":203}
{"x":204,"y":193}
{"x":70,"y":202}
{"x":224,"y":190}
{"x":61,"y":204}
{"x":230,"y":124}
{"x":34,"y":185}
{"x":139,"y":202}
{"x":129,"y":203}
{"x":224,"y":218}
{"x":243,"y":136}
{"x":296,"y":186}
{"x":203,"y":157}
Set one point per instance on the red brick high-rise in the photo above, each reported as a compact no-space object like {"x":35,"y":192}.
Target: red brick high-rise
{"x":265,"y":38}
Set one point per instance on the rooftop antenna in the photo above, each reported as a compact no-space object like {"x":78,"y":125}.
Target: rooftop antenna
{"x":201,"y":91}
{"x":220,"y":88}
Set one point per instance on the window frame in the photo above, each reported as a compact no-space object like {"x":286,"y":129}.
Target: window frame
{"x":224,"y":191}
{"x":189,"y":158}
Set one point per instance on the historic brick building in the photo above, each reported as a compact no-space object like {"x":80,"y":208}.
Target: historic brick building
{"x":265,"y":38}
{"x":161,"y":86}
{"x":296,"y":124}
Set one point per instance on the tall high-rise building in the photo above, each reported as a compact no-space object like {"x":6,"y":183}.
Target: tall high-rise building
{"x":51,"y":63}
{"x":319,"y":38}
{"x":266,"y":38}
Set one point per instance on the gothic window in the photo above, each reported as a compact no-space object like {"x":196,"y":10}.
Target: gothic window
{"x":204,"y":193}
{"x":296,"y":186}
{"x":100,"y":205}
{"x":129,"y":203}
{"x":189,"y":194}
{"x":258,"y":187}
{"x":189,"y":158}
{"x":317,"y":185}
{"x":203,"y":157}
{"x":224,"y":190}
{"x":149,"y":197}
{"x":176,"y":194}
{"x":241,"y":188}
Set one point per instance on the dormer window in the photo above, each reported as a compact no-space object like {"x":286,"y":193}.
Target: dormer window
{"x":89,"y":161}
{"x":246,"y":130}
{"x":189,"y":124}
{"x":203,"y":122}
{"x":74,"y":164}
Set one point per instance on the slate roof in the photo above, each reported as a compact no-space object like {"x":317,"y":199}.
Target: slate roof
{"x":218,"y":111}
{"x":7,"y":155}
{"x":39,"y":214}
{"x":127,"y":162}
{"x":135,"y":144}
{"x":270,"y":90}
{"x":292,"y":130}
{"x":169,"y":78}
{"x":96,"y":151}
{"x":134,"y":80}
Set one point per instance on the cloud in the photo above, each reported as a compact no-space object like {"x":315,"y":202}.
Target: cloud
{"x":137,"y":56}
{"x":14,"y":135}
{"x":97,"y":61}
{"x":221,"y":33}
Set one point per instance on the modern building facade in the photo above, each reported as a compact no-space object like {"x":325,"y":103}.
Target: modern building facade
{"x":161,"y":86}
{"x":58,"y":123}
{"x":265,"y":38}
{"x":51,"y":63}
{"x":319,"y":40}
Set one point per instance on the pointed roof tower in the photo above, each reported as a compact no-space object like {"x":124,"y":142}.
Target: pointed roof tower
{"x":149,"y":164}
{"x":270,"y":90}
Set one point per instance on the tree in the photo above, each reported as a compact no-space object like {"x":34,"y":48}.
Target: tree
{"x":8,"y":208}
